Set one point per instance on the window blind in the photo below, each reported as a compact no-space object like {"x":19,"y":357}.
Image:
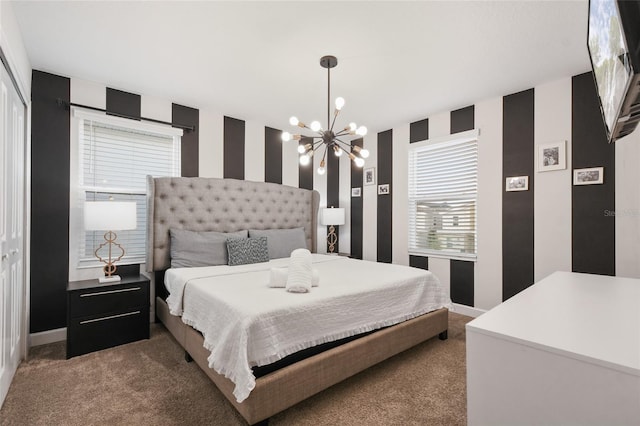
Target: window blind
{"x":443,"y":180}
{"x":114,"y":162}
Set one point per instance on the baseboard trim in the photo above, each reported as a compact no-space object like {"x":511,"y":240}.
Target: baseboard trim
{"x":467,"y":310}
{"x":49,"y":336}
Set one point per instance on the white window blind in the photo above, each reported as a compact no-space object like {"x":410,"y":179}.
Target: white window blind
{"x":443,"y":180}
{"x":115,"y":157}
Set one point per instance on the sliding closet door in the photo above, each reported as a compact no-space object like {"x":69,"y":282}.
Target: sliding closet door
{"x":12,"y":286}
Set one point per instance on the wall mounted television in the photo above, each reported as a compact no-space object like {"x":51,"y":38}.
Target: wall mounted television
{"x":613,"y":40}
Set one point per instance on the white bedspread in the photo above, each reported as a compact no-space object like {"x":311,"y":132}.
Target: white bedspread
{"x":245,"y":323}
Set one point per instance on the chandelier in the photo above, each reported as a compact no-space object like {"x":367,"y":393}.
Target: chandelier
{"x":326,"y":137}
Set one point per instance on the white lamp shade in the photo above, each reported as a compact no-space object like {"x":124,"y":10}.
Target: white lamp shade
{"x":332,"y":216}
{"x":109,"y":215}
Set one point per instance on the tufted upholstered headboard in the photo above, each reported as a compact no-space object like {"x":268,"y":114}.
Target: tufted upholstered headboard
{"x":223,"y":205}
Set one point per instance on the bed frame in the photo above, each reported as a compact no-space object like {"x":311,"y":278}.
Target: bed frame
{"x":227,"y":205}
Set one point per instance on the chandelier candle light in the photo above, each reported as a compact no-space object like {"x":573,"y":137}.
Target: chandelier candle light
{"x":327,"y":138}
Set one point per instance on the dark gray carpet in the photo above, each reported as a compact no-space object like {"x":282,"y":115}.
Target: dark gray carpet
{"x":149,"y":383}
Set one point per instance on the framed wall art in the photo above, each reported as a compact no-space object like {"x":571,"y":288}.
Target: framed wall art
{"x":517,"y":183}
{"x":552,"y":156}
{"x":590,"y":176}
{"x":369,"y":176}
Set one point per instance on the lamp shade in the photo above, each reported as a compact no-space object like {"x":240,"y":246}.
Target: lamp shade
{"x":332,"y":216}
{"x":109,"y":215}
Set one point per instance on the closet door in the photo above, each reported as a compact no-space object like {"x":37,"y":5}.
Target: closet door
{"x":12,"y":285}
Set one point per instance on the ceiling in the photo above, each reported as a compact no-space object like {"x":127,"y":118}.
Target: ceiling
{"x":397,"y":61}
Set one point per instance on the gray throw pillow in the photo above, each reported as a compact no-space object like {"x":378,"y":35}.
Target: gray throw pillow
{"x":281,"y":242}
{"x":243,"y":251}
{"x":200,"y":248}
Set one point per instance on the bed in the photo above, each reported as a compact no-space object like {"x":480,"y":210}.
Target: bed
{"x":228,"y":205}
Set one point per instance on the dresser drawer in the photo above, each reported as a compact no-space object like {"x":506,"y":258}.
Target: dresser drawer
{"x":95,"y":333}
{"x":112,"y":299}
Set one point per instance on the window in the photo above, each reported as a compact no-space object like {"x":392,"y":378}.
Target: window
{"x":113,"y":157}
{"x":443,"y":178}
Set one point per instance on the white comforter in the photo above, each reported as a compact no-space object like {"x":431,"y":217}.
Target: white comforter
{"x":245,"y":323}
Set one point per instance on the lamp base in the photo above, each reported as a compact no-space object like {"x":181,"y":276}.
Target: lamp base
{"x":111,"y":279}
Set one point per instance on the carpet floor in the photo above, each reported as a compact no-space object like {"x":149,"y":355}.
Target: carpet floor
{"x":149,"y":383}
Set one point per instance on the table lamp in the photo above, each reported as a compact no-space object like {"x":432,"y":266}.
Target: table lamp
{"x":332,"y":217}
{"x":109,"y":216}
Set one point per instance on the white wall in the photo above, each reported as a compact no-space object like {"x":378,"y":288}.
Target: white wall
{"x":628,"y":205}
{"x":344,"y":198}
{"x":320,"y":185}
{"x":552,"y":195}
{"x":400,"y":194}
{"x":488,"y":267}
{"x":211,"y":144}
{"x":370,"y":203}
{"x":254,"y":151}
{"x":14,"y":50}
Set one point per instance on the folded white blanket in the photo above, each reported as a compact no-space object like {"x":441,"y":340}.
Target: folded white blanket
{"x":278,"y":277}
{"x":300,"y":274}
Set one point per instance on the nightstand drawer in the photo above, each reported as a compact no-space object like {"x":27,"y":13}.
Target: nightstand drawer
{"x":95,"y":333}
{"x":97,"y":301}
{"x":101,"y":316}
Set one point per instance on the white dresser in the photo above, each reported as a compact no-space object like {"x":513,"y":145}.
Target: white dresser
{"x":566,"y":351}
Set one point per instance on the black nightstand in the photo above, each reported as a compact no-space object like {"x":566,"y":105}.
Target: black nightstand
{"x":101,"y":316}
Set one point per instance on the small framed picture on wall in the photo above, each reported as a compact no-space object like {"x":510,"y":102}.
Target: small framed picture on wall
{"x":369,"y":176}
{"x":590,"y":176}
{"x":356,"y":192}
{"x":517,"y":183}
{"x":552,"y":156}
{"x":383,"y":189}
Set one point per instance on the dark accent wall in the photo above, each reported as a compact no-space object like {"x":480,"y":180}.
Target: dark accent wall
{"x":461,"y":281}
{"x":305,"y":173}
{"x":461,"y":271}
{"x":518,"y":157}
{"x":50,"y":131}
{"x":421,"y":262}
{"x":333,"y":188}
{"x":593,"y":232}
{"x":123,"y":104}
{"x":189,"y":145}
{"x":419,"y":131}
{"x":272,"y":155}
{"x":356,"y":207}
{"x":462,"y":119}
{"x":385,"y":204}
{"x":233,"y":148}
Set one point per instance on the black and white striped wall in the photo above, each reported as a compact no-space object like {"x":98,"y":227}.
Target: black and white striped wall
{"x":522,"y":236}
{"x":220,"y":146}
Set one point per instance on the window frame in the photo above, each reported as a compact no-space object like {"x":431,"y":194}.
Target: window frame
{"x":461,"y":137}
{"x":82,"y":267}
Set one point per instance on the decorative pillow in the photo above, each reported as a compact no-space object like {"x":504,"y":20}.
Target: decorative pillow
{"x":281,"y":242}
{"x":243,"y":251}
{"x":200,"y":248}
